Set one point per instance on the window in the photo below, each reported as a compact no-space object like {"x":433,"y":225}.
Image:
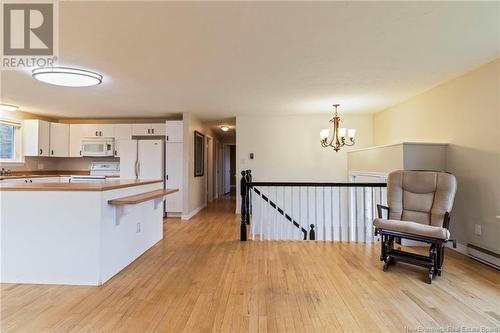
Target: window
{"x":10,"y":142}
{"x":7,"y":142}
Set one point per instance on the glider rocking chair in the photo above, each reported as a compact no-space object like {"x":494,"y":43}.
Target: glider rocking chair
{"x":419,"y":206}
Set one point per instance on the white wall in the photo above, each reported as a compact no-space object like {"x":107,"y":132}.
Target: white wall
{"x":287,"y":148}
{"x":195,"y":188}
{"x":464,"y":112}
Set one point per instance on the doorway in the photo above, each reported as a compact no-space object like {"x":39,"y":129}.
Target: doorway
{"x":210,"y":169}
{"x":229,"y":168}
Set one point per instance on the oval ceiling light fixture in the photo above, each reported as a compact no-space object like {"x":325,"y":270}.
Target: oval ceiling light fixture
{"x":8,"y":107}
{"x":67,"y":76}
{"x":224,"y":128}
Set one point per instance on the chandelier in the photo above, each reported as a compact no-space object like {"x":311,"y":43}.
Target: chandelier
{"x":335,"y":136}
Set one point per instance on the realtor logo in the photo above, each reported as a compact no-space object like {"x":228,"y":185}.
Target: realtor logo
{"x":29,"y":34}
{"x":28,"y":29}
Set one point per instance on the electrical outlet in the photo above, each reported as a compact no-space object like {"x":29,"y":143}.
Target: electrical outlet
{"x":40,"y":166}
{"x":477,"y":229}
{"x":138,"y":227}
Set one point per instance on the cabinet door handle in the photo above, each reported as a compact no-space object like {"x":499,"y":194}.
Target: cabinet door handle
{"x":96,"y":133}
{"x":100,"y":133}
{"x":41,"y":151}
{"x":167,"y":137}
{"x":149,"y":130}
{"x":116,"y":152}
{"x":25,"y":180}
{"x":52,"y":152}
{"x":153,"y":130}
{"x":80,"y":153}
{"x":31,"y":181}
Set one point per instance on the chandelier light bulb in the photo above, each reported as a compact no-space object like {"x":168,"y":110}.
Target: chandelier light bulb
{"x":342,"y":132}
{"x":351,"y":132}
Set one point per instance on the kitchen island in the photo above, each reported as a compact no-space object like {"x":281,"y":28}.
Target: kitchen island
{"x":77,"y":233}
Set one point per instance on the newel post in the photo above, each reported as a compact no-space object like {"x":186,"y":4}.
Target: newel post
{"x":312,"y":233}
{"x":244,"y":210}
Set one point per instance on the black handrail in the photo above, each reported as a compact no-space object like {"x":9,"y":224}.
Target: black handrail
{"x":246,"y":184}
{"x":305,"y":184}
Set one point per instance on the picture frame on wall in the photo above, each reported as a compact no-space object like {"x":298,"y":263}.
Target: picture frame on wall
{"x":199,"y":154}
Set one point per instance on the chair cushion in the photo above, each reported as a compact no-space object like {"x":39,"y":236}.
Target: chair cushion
{"x":413,"y":228}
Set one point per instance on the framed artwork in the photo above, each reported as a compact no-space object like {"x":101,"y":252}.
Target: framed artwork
{"x":199,"y":154}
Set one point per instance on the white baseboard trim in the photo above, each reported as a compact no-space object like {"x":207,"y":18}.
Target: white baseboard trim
{"x":174,"y":214}
{"x":461,"y":248}
{"x":192,"y":213}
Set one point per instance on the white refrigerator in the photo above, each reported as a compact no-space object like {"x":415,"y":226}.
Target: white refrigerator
{"x":142,"y":159}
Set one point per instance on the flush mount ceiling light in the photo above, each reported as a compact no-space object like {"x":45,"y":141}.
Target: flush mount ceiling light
{"x":224,"y":128}
{"x":8,"y":107}
{"x":67,"y":76}
{"x":335,"y":136}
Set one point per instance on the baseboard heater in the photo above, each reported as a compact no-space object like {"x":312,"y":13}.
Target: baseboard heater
{"x":483,"y":255}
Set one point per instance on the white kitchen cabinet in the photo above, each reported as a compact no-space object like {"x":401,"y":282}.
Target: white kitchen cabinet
{"x":59,"y":140}
{"x":141,"y":129}
{"x":122,"y":132}
{"x":54,"y":179}
{"x":98,"y":130}
{"x":64,"y":179}
{"x":148,"y":129}
{"x":174,"y":130}
{"x":76,"y":132}
{"x":174,"y":173}
{"x":36,"y":137}
{"x":14,"y":180}
{"x":158,"y":129}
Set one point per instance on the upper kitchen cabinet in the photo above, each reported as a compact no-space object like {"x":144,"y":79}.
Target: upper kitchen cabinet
{"x":148,"y":129}
{"x":75,"y":140}
{"x":122,"y":132}
{"x":98,"y":130}
{"x":158,"y":129}
{"x":59,"y":140}
{"x":174,"y":130}
{"x":36,"y":137}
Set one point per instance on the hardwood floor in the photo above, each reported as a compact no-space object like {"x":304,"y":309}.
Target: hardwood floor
{"x":201,"y":278}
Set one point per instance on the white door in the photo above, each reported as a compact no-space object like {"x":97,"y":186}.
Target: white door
{"x":122,"y":132}
{"x":227,"y":169}
{"x":59,"y":140}
{"x":141,"y":129}
{"x":174,"y":130}
{"x":75,"y":140}
{"x":128,"y":159}
{"x":173,"y":165}
{"x":158,"y":129}
{"x":150,"y":159}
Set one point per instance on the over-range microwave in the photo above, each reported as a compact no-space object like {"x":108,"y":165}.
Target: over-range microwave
{"x":96,"y":147}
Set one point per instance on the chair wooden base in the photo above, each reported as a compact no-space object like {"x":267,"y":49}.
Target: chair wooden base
{"x":389,"y":255}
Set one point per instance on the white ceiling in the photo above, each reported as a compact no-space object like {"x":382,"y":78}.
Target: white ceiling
{"x":221,"y":59}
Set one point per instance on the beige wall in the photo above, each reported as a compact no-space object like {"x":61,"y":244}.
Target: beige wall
{"x":287,"y":148}
{"x":195,"y":188}
{"x":464,"y":112}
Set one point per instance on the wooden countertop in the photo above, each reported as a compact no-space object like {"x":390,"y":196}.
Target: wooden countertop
{"x":142,"y":197}
{"x":103,"y":186}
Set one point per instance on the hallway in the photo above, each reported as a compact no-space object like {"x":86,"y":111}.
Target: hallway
{"x":201,"y":278}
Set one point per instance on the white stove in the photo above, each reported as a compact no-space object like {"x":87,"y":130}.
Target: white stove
{"x":108,"y":169}
{"x":98,"y":172}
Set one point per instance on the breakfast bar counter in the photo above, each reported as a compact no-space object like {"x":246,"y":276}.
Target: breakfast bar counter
{"x":97,"y":186}
{"x":75,"y":233}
